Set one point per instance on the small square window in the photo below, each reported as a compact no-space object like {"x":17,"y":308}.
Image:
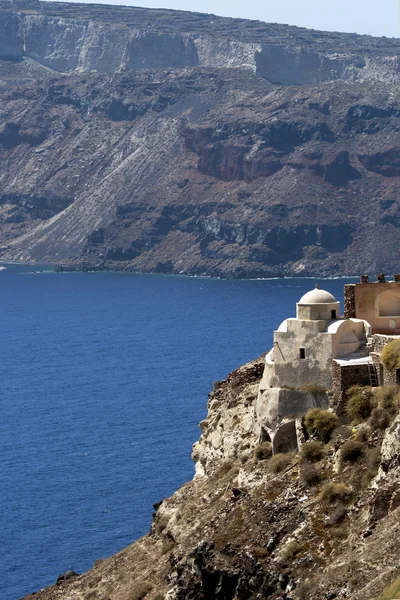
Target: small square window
{"x":333,"y":314}
{"x":302,"y":353}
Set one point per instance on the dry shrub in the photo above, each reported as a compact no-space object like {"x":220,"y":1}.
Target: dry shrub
{"x":312,"y":388}
{"x":310,"y":475}
{"x":292,"y":549}
{"x":387,"y":397}
{"x":312,"y":452}
{"x":360,"y":404}
{"x":337,"y":516}
{"x":352,"y":451}
{"x":379,"y":419}
{"x":321,"y":423}
{"x":263,"y":451}
{"x":304,"y":590}
{"x":390,"y":356}
{"x":141,"y":591}
{"x":333,"y":493}
{"x":280,"y":462}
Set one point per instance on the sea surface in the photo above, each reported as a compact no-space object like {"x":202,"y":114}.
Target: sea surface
{"x":104,"y":379}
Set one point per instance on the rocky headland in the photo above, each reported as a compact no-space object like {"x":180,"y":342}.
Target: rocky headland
{"x":173,"y":142}
{"x":322,"y":523}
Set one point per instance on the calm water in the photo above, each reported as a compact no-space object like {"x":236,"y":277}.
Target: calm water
{"x":104,"y":378}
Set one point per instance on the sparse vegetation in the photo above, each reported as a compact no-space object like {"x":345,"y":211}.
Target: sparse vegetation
{"x":360,"y":404}
{"x":292,"y":549}
{"x":333,"y":493}
{"x":379,"y":419}
{"x":280,"y":462}
{"x":311,"y":388}
{"x":352,"y":451}
{"x":141,"y":591}
{"x":304,"y":590}
{"x":392,"y":591}
{"x":310,"y":475}
{"x":390,"y":356}
{"x":321,"y":423}
{"x":387,"y":397}
{"x":263,"y":451}
{"x":312,"y":452}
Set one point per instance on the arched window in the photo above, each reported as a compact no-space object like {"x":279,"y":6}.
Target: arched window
{"x":389,"y":304}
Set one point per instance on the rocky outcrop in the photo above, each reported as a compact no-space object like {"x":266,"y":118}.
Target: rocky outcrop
{"x":250,"y":526}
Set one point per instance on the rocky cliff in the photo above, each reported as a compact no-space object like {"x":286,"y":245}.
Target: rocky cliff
{"x":322,"y":524}
{"x":173,"y":142}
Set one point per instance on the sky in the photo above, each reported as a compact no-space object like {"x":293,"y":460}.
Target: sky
{"x":375,"y":17}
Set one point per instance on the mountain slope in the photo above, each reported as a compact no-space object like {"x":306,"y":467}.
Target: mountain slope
{"x":183,"y":143}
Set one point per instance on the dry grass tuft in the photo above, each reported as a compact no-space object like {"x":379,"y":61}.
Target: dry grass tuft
{"x":352,"y":451}
{"x":263,"y":451}
{"x":360,"y":404}
{"x":280,"y":462}
{"x":390,"y":356}
{"x":312,"y":452}
{"x":333,"y":493}
{"x":310,"y":475}
{"x":321,"y":423}
{"x":379,"y":419}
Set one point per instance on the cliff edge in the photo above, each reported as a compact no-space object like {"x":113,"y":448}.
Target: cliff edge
{"x":322,"y":523}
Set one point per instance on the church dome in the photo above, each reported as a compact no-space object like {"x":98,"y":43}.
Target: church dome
{"x":317,"y":296}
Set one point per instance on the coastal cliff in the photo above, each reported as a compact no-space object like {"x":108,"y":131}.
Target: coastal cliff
{"x":233,"y":148}
{"x":319,"y":524}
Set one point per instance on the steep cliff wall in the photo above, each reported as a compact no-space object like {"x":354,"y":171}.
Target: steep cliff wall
{"x":67,"y":38}
{"x":233,"y":148}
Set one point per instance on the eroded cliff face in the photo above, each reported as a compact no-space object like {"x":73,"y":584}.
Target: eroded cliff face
{"x":249,"y":526}
{"x":174,"y":142}
{"x":74,"y":37}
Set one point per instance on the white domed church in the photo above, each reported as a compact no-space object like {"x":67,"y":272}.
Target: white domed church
{"x":299,"y":369}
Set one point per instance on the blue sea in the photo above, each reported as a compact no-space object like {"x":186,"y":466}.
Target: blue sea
{"x":104,"y":379}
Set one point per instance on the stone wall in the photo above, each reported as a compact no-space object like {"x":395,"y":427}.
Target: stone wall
{"x":350,"y":301}
{"x":343,"y":377}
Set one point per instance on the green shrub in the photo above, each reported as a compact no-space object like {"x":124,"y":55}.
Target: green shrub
{"x":263,"y":451}
{"x":352,"y":451}
{"x":390,"y":356}
{"x":379,"y":419}
{"x":280,"y":462}
{"x":310,"y":475}
{"x":333,"y":493}
{"x":312,"y":452}
{"x":321,"y":423}
{"x":360,"y":404}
